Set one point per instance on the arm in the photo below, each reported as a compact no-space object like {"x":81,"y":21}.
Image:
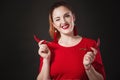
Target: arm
{"x":44,"y":74}
{"x":92,"y":73}
{"x":90,"y":70}
{"x":45,"y":53}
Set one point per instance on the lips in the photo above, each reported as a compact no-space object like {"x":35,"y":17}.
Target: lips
{"x":66,"y":26}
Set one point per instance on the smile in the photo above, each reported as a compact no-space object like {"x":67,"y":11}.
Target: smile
{"x":66,"y":26}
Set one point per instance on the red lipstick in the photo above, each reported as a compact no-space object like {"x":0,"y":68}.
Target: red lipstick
{"x":65,"y":26}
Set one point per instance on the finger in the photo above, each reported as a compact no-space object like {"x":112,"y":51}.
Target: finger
{"x":94,"y":50}
{"x":40,"y":42}
{"x":44,"y":48}
{"x":91,"y":54}
{"x":42,"y":51}
{"x":43,"y":55}
{"x":90,"y":58}
{"x":87,"y":60}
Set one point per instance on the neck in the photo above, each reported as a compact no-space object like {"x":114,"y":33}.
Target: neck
{"x":67,"y":39}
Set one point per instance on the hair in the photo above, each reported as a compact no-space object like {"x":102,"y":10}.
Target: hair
{"x":56,"y":5}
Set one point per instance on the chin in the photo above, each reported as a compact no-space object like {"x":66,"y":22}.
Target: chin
{"x":67,"y":32}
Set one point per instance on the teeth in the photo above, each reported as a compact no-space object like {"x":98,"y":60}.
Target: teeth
{"x":65,"y":26}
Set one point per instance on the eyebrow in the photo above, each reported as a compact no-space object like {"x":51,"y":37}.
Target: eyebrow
{"x":64,"y":14}
{"x":56,"y":17}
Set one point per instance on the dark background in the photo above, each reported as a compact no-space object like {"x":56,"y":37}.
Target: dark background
{"x":21,"y":19}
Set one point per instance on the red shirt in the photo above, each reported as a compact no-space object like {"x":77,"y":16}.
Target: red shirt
{"x":67,"y":62}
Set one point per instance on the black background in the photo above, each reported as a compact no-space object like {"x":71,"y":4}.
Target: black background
{"x":21,"y":19}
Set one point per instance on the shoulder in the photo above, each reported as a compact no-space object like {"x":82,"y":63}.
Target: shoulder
{"x":89,"y":42}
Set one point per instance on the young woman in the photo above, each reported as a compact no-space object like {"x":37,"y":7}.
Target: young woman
{"x":75,"y":57}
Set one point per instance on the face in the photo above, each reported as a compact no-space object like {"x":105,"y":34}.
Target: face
{"x":63,"y":20}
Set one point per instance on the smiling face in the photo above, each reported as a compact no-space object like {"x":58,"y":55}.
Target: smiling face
{"x":63,"y":20}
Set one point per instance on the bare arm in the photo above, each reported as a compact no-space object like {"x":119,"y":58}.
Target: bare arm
{"x":45,"y":53}
{"x":44,"y":74}
{"x":93,"y":74}
{"x":89,"y":69}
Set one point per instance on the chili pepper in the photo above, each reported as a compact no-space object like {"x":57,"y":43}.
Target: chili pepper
{"x":96,"y":47}
{"x":98,"y":42}
{"x":49,"y":44}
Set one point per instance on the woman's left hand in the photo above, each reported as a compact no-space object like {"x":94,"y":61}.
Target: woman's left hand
{"x":89,"y":58}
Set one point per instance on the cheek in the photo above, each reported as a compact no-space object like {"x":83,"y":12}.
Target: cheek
{"x":57,"y":24}
{"x":70,"y":20}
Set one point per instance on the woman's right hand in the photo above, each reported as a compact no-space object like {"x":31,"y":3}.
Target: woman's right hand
{"x":44,"y":51}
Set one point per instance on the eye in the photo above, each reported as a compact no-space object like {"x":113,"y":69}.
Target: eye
{"x":67,"y":15}
{"x":57,"y":19}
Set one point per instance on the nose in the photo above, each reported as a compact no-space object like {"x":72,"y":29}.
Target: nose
{"x":63,"y":20}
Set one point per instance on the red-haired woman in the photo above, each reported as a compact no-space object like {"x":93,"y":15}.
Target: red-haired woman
{"x":75,"y":57}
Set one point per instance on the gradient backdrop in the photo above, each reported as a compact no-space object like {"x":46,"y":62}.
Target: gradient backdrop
{"x":21,"y":19}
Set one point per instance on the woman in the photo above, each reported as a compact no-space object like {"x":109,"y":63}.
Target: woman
{"x":75,"y":57}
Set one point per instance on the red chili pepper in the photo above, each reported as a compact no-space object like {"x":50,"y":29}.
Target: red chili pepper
{"x":53,"y":45}
{"x":98,"y":42}
{"x":89,"y":49}
{"x":50,"y":44}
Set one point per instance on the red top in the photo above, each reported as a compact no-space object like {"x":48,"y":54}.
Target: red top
{"x":67,"y":62}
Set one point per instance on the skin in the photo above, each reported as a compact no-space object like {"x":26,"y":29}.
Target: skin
{"x":63,"y":18}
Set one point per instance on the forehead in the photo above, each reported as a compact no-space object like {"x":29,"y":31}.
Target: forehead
{"x":59,"y":11}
